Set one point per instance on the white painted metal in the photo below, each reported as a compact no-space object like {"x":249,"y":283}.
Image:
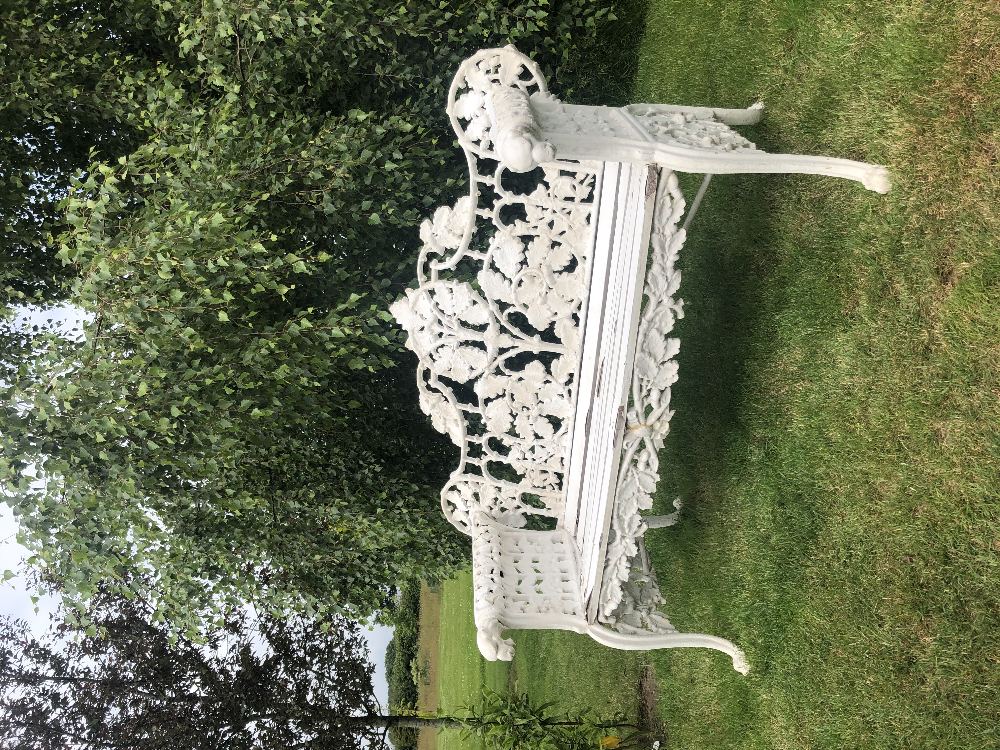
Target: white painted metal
{"x":633,"y":218}
{"x":696,"y":203}
{"x":684,"y":141}
{"x":588,"y":370}
{"x":551,"y":370}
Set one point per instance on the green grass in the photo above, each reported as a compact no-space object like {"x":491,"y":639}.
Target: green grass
{"x":462,"y":673}
{"x":838,"y":412}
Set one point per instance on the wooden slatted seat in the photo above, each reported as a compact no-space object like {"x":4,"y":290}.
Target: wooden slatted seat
{"x":542,"y":320}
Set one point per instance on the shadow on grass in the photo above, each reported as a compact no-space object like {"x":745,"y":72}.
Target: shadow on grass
{"x":604,"y":72}
{"x":732,"y":294}
{"x":725,"y":262}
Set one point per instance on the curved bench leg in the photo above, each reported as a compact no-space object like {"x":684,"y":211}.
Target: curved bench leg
{"x":747,"y":161}
{"x":652,"y":641}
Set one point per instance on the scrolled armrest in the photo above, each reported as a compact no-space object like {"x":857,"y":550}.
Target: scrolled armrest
{"x":515,"y":132}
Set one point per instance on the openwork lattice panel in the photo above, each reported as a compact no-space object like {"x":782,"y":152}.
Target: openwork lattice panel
{"x":496,"y":318}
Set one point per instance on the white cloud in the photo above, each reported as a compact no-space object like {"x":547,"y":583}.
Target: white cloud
{"x":66,"y":320}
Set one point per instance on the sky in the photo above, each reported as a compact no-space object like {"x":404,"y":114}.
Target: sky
{"x":378,"y":639}
{"x":15,"y":599}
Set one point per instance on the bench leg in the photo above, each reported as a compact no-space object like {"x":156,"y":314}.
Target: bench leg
{"x":696,"y":203}
{"x":748,"y":161}
{"x":660,"y":522}
{"x":748,"y":116}
{"x":652,"y":641}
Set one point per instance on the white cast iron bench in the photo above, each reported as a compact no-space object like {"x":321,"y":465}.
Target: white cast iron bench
{"x":541,"y":324}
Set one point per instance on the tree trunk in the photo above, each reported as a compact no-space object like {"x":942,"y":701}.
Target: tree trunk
{"x":385,"y":721}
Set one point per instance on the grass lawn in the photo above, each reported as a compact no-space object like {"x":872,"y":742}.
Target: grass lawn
{"x":447,"y":629}
{"x":837,"y":436}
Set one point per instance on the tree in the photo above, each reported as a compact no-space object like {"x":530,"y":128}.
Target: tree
{"x":125,"y":683}
{"x":229,"y":192}
{"x":59,"y":104}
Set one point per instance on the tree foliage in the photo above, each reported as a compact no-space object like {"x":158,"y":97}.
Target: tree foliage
{"x":125,"y":683}
{"x":228,"y":190}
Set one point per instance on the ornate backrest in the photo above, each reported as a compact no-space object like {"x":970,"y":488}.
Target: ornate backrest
{"x":496,"y":317}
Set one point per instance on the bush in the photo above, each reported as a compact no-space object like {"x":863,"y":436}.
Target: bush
{"x":400,"y":654}
{"x":514,"y":721}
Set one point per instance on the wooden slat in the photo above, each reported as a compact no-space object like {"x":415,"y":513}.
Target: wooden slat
{"x":618,"y":268}
{"x":612,"y":363}
{"x":593,"y":314}
{"x":609,"y":366}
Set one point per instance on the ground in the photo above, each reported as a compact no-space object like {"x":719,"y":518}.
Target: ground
{"x":836,"y":435}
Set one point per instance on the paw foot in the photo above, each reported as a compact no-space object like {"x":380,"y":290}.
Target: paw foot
{"x":877,"y":180}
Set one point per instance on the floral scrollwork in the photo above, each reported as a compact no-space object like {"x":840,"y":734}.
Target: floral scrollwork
{"x":445,"y":416}
{"x":686,"y":129}
{"x":450,"y":328}
{"x":536,"y":266}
